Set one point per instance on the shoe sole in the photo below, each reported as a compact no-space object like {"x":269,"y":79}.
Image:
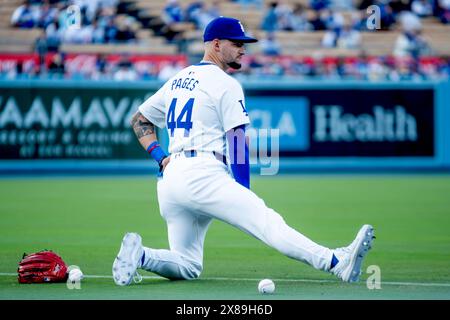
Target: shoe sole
{"x":363,"y":245}
{"x":127,"y":259}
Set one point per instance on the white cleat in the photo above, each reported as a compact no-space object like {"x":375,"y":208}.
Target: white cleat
{"x":128,"y":260}
{"x":348,"y":269}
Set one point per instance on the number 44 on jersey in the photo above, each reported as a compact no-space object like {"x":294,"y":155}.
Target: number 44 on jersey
{"x":185,"y":113}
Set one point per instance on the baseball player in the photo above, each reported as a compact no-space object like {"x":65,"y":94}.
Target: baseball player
{"x":207,"y":174}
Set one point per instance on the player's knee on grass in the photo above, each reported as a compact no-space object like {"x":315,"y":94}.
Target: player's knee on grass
{"x":188,"y":271}
{"x":192,"y":272}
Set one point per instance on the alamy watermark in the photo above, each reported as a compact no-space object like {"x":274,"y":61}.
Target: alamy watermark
{"x":73,"y":17}
{"x":266,"y":151}
{"x":374,"y":280}
{"x":373,"y":21}
{"x":73,"y":284}
{"x":263,"y":147}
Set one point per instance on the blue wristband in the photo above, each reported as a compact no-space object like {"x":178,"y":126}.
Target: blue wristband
{"x":156,"y":152}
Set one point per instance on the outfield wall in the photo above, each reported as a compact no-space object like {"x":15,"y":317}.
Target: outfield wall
{"x":73,"y":126}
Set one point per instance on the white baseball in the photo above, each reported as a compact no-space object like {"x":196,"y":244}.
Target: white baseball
{"x":266,"y":286}
{"x":75,"y":275}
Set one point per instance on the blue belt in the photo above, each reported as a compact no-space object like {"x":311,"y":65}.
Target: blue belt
{"x":193,"y":153}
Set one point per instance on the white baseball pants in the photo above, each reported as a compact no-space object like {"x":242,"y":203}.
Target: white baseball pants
{"x":195,"y":190}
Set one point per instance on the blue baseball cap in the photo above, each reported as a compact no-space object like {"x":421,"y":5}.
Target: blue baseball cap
{"x":226,"y":28}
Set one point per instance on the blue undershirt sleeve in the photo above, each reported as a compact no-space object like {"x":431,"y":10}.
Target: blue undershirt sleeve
{"x":239,"y":155}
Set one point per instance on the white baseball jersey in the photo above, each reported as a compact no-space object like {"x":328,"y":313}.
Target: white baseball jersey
{"x":198,"y":105}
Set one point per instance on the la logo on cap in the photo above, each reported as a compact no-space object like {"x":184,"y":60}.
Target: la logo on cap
{"x":242,"y":27}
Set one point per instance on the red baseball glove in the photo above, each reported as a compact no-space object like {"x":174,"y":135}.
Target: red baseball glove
{"x":43,"y":266}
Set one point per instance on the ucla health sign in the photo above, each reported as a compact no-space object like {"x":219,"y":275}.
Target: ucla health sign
{"x":348,"y":123}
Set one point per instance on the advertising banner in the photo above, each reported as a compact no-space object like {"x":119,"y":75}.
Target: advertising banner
{"x":347,"y":123}
{"x":81,"y":125}
{"x":57,"y":123}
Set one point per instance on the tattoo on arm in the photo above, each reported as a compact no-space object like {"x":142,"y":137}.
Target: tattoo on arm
{"x":141,"y":126}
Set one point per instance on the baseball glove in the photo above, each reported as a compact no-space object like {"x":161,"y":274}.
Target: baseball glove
{"x":43,"y":266}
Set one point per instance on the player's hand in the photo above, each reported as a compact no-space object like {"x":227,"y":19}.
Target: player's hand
{"x":164,"y":163}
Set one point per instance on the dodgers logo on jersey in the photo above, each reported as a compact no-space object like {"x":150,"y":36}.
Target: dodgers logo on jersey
{"x":243,"y":107}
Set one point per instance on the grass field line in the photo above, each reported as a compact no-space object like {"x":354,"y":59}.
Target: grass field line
{"x":393,"y":283}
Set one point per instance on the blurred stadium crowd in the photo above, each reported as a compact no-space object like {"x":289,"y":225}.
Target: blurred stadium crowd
{"x":152,"y":39}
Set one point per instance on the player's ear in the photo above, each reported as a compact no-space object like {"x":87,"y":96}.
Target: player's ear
{"x":216,"y":45}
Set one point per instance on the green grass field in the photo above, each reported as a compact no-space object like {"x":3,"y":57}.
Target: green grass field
{"x":84,"y":219}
